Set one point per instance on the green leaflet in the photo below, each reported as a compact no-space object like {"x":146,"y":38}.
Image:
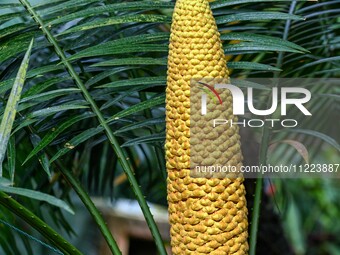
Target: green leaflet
{"x":118,"y":45}
{"x":10,"y":5}
{"x":261,"y":39}
{"x":49,"y":137}
{"x":251,"y":66}
{"x":145,"y":139}
{"x":324,"y":60}
{"x":54,"y":109}
{"x":5,"y":182}
{"x":12,"y":105}
{"x":139,"y":107}
{"x":9,"y":16}
{"x":49,"y":95}
{"x":14,"y":29}
{"x":93,"y":80}
{"x":38,"y":196}
{"x":6,"y":85}
{"x":317,"y":6}
{"x":133,"y":61}
{"x":141,"y":124}
{"x":294,"y":227}
{"x":21,"y":124}
{"x":18,"y":44}
{"x":110,"y":8}
{"x":44,"y":69}
{"x":11,"y":156}
{"x":75,"y":141}
{"x":245,"y":47}
{"x":39,"y":87}
{"x":118,"y":20}
{"x":123,"y":49}
{"x":158,"y":80}
{"x":248,"y":16}
{"x":43,"y":159}
{"x":223,"y":3}
{"x":129,"y":92}
{"x":60,"y":5}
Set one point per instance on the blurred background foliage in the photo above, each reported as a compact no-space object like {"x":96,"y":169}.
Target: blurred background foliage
{"x":118,"y":50}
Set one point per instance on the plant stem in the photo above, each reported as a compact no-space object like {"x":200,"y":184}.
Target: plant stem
{"x":114,"y":142}
{"x":279,"y":61}
{"x":255,"y":216}
{"x":29,"y":217}
{"x":91,"y":208}
{"x":264,"y":148}
{"x":258,"y":192}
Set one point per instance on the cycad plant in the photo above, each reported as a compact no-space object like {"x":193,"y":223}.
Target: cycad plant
{"x":82,"y":84}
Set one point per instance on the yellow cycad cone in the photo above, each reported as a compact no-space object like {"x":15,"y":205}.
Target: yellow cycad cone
{"x":207,"y":215}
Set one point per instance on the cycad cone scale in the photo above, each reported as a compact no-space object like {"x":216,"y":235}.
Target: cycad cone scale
{"x":207,"y":215}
